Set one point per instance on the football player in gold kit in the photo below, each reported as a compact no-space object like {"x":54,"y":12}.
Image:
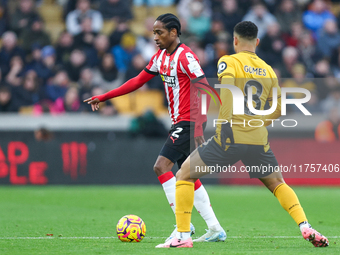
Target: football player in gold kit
{"x":241,"y":137}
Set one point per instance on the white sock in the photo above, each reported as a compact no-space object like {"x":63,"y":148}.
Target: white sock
{"x":303,"y":225}
{"x":183,"y":235}
{"x":203,"y":206}
{"x":170,"y":192}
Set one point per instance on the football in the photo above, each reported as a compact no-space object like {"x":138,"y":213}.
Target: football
{"x":131,"y":228}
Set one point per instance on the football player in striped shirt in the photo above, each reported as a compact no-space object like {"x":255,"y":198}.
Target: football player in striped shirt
{"x":182,"y":75}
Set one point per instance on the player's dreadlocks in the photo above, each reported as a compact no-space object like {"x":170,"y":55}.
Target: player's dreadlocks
{"x":246,"y":29}
{"x":170,"y":21}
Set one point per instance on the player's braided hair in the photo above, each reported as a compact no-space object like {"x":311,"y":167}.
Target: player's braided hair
{"x":246,"y":29}
{"x":170,"y":21}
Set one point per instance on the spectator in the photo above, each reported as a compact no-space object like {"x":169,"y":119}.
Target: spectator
{"x":74,"y":19}
{"x":107,"y":75}
{"x":76,"y":64}
{"x":209,"y":68}
{"x":261,"y":17}
{"x":46,"y":68}
{"x":35,"y":34}
{"x":86,"y":84}
{"x":198,"y":24}
{"x":35,"y":56}
{"x":299,"y":81}
{"x":324,"y":78}
{"x":124,"y":52}
{"x":14,"y":77}
{"x":231,"y":15}
{"x":101,"y":46}
{"x":43,"y":135}
{"x":211,"y":37}
{"x":3,"y":19}
{"x":115,"y":9}
{"x":292,"y":38}
{"x":335,"y":61}
{"x":9,"y":49}
{"x":315,"y":17}
{"x":70,"y":102}
{"x":7,"y":102}
{"x":64,"y":47}
{"x":137,"y":65}
{"x":57,"y":87}
{"x":186,"y":36}
{"x":151,"y":3}
{"x":287,"y":13}
{"x":332,"y":101}
{"x":84,"y":40}
{"x":121,"y":28}
{"x":329,"y":38}
{"x":290,"y":57}
{"x":184,"y":8}
{"x":23,"y":17}
{"x":145,"y":44}
{"x":308,"y":50}
{"x":271,"y":45}
{"x":329,"y":130}
{"x":29,"y":93}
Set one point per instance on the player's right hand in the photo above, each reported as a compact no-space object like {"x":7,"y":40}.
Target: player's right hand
{"x":94,"y":103}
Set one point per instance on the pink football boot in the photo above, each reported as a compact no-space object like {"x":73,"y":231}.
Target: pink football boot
{"x":176,"y":243}
{"x":314,"y":237}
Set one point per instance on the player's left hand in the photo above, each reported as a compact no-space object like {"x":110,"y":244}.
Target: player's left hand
{"x":199,"y":140}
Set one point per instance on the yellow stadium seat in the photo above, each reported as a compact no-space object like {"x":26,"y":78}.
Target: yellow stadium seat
{"x":124,"y":104}
{"x":150,"y":99}
{"x":26,"y":110}
{"x":335,"y":8}
{"x":140,"y":13}
{"x":159,"y":10}
{"x":51,"y":12}
{"x":54,"y":29}
{"x":108,"y":27}
{"x":137,"y":27}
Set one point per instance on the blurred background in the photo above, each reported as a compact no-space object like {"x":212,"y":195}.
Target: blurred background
{"x":56,"y":53}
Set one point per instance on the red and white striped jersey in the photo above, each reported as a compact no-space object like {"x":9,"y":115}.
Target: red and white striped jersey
{"x":178,"y":71}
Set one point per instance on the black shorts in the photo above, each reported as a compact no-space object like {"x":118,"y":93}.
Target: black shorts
{"x":180,"y":142}
{"x":256,"y":158}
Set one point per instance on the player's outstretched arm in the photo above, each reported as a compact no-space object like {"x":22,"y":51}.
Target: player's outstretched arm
{"x":129,"y":86}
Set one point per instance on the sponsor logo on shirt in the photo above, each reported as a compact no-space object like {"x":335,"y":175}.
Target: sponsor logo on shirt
{"x":170,"y":81}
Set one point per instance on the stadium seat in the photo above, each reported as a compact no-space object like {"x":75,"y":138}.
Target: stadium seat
{"x":124,"y":103}
{"x":26,"y":110}
{"x":138,"y":102}
{"x":108,"y":27}
{"x":158,"y":10}
{"x":51,"y":12}
{"x":54,"y":29}
{"x":137,"y":27}
{"x":140,"y":13}
{"x":150,"y":99}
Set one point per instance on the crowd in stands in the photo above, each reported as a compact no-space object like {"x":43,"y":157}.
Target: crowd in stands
{"x":40,"y":73}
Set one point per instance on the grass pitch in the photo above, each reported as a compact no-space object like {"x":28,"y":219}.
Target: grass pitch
{"x":82,"y":220}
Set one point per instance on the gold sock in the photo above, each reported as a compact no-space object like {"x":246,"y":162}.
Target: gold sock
{"x":184,"y":204}
{"x":290,"y":202}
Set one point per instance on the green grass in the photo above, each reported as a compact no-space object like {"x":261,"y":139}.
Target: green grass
{"x":248,"y":213}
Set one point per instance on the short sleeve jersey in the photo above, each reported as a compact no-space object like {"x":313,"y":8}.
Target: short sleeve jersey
{"x":247,"y":72}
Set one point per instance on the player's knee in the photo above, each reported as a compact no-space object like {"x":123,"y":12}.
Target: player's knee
{"x":158,"y":169}
{"x":272,"y":183}
{"x":179,"y":175}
